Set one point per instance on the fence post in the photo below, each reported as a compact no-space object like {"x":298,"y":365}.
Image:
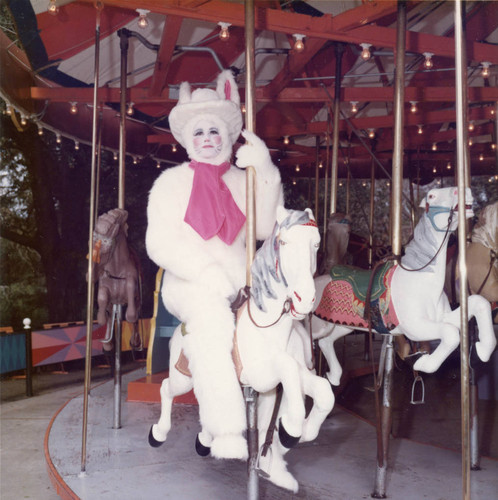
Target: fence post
{"x":29,"y":358}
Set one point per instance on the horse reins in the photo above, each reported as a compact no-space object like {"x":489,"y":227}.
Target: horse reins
{"x":286,"y":308}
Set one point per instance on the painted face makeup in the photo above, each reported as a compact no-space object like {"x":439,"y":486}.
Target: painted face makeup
{"x":207,"y":140}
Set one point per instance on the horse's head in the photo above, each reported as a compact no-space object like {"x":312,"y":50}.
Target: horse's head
{"x":441,"y":207}
{"x":298,"y":241}
{"x":107,"y":230}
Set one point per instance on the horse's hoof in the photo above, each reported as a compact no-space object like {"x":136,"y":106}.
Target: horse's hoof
{"x":413,"y":358}
{"x":286,"y":439}
{"x":201,"y":450}
{"x":153,"y":441}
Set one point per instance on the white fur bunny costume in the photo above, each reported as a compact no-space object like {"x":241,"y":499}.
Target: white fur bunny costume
{"x":196,"y":233}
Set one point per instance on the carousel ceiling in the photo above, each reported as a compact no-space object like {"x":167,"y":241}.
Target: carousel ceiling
{"x":48,"y":76}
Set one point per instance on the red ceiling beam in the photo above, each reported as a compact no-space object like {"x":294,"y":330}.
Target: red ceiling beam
{"x":378,"y":94}
{"x":362,"y":94}
{"x":326,"y":27}
{"x":171,"y":30}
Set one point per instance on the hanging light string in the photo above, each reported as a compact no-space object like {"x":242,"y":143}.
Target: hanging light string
{"x":59,"y":135}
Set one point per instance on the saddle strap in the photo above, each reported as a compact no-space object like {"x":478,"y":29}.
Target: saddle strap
{"x":271,"y":427}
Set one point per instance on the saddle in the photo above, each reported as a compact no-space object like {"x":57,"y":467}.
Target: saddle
{"x":344,"y":298}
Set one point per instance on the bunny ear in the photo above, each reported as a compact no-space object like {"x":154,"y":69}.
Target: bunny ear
{"x":185,"y":94}
{"x":226,"y":87}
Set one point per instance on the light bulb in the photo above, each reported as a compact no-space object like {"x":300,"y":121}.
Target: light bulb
{"x":130,"y":110}
{"x":471,"y":126}
{"x":224,"y":33}
{"x":173,"y":148}
{"x":434,"y":170}
{"x":448,"y":167}
{"x":135,"y":160}
{"x":115,"y":155}
{"x":299,"y":43}
{"x":76,"y":145}
{"x":40,"y":130}
{"x":298,"y":168}
{"x":413,"y":107}
{"x":365,"y":53}
{"x":53,"y":8}
{"x":493,"y":146}
{"x":243,"y":108}
{"x":481,"y":157}
{"x":23,"y":120}
{"x":428,"y":64}
{"x":420,"y":129}
{"x":485,"y":69}
{"x":158,"y":164}
{"x":286,"y":139}
{"x":371,"y":133}
{"x":434,"y":146}
{"x":8,"y":110}
{"x":470,"y":142}
{"x":74,"y":108}
{"x":58,"y":138}
{"x":142,"y":18}
{"x":354,"y":106}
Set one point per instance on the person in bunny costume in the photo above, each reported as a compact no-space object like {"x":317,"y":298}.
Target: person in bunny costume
{"x":196,"y":233}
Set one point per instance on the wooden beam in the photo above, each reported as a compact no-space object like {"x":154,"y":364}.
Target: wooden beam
{"x":326,"y":27}
{"x":171,"y":30}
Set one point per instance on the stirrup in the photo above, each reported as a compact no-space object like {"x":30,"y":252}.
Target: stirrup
{"x":418,"y":379}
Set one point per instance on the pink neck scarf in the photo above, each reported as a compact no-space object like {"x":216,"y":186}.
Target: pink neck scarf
{"x":211,"y":209}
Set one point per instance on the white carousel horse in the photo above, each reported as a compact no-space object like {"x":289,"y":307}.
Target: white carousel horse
{"x":282,"y":291}
{"x":410,"y":298}
{"x":482,"y":254}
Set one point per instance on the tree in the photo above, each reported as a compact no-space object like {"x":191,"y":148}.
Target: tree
{"x":45,"y":207}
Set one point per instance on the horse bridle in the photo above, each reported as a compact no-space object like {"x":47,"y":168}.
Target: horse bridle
{"x":431,"y":216}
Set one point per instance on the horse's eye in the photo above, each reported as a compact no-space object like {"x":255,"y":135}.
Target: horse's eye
{"x":282,"y":243}
{"x":317,"y":245}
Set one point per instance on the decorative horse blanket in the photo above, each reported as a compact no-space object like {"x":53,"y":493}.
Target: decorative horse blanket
{"x":343,"y":299}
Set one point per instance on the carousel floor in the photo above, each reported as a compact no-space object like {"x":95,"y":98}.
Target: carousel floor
{"x":339,"y":464}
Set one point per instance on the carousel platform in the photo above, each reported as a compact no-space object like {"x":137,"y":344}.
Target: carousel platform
{"x":339,"y":464}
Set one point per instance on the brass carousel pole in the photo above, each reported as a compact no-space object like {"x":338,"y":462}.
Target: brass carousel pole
{"x":326,"y":192}
{"x":397,"y":188}
{"x":462,"y":174}
{"x":317,"y":178}
{"x":118,"y":308}
{"x":339,"y":51}
{"x":251,"y":396}
{"x":91,"y":286}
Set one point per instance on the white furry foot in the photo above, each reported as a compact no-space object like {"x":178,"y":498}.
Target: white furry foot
{"x":229,"y":446}
{"x":284,"y":479}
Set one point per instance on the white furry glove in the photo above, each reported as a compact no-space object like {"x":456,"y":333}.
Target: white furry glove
{"x":254,"y":153}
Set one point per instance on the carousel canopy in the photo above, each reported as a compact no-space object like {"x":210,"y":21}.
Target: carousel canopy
{"x":48,"y":75}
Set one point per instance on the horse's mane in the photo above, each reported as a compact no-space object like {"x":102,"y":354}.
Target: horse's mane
{"x":264,"y":267}
{"x":422,"y":248}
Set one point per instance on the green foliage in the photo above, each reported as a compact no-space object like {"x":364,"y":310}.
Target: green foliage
{"x":22,"y":286}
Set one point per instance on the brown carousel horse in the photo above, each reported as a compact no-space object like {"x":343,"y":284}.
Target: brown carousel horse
{"x":116,"y":268}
